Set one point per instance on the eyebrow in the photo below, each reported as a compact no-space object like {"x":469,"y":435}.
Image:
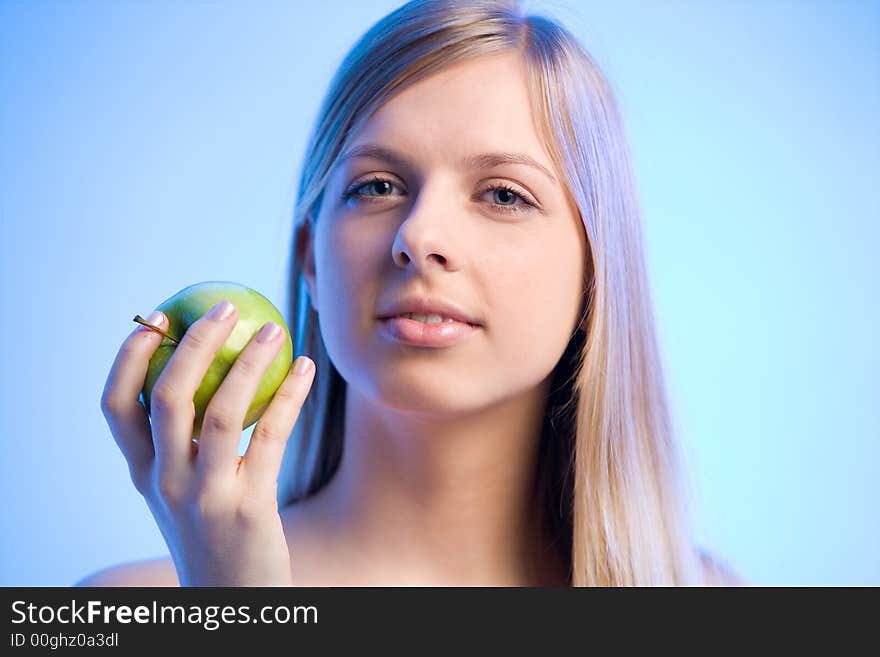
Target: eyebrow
{"x":479,"y":161}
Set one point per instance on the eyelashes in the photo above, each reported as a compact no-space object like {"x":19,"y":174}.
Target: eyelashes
{"x":524,"y":204}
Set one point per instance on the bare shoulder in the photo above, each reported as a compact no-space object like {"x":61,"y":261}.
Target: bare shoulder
{"x":148,"y":572}
{"x":717,"y":573}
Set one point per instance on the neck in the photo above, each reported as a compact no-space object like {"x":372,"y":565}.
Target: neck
{"x":446,"y":500}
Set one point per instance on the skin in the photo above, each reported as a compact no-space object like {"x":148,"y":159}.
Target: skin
{"x":440,"y":445}
{"x":216,"y":511}
{"x":435,"y":486}
{"x":436,"y":479}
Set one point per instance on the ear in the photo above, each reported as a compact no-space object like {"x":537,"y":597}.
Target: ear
{"x":305,"y":254}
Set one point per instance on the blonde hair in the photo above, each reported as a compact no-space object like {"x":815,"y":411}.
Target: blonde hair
{"x":610,"y":472}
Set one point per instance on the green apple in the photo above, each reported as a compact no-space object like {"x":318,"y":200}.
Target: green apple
{"x":254,"y":310}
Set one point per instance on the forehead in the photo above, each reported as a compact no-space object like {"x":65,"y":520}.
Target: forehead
{"x":480,"y":105}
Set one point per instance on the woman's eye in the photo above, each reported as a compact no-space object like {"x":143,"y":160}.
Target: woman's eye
{"x":507,"y":199}
{"x":504,"y":198}
{"x":379,"y":185}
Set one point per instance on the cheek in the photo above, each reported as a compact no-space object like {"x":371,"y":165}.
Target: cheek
{"x":535,"y":308}
{"x":347,"y":282}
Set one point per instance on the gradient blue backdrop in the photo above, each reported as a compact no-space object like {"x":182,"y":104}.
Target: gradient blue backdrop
{"x":145,"y":146}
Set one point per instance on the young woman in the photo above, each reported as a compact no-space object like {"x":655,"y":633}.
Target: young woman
{"x":469,"y":165}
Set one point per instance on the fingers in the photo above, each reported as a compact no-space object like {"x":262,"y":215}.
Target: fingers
{"x":262,"y":460}
{"x":225,"y":414}
{"x":125,"y":415}
{"x":171,"y":400}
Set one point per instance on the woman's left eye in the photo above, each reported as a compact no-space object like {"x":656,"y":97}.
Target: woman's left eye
{"x":506,"y":194}
{"x":502,"y":192}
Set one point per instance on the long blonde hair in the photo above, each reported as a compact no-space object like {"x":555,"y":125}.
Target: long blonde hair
{"x":610,"y":472}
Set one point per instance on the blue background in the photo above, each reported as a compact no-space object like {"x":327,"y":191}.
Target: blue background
{"x":145,"y":146}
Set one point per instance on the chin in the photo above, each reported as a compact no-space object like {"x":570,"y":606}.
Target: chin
{"x":423,"y":393}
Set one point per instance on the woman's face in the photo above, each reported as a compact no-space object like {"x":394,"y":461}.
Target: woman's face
{"x":430,"y":225}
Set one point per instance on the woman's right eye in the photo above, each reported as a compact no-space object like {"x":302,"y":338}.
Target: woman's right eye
{"x":380,"y":185}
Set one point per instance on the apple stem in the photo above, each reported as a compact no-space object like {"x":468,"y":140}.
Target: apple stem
{"x":141,"y":320}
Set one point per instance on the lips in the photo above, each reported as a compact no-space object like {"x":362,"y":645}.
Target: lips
{"x":422,"y":319}
{"x":419,"y":334}
{"x":421,"y":305}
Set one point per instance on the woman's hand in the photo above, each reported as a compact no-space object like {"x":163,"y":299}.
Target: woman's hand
{"x":217,"y":511}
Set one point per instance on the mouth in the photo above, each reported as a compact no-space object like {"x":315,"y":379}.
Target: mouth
{"x":429,"y":320}
{"x":412,"y":331}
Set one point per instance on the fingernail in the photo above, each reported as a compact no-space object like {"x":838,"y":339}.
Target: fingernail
{"x":269,"y":332}
{"x":302,"y":365}
{"x":156,"y":318}
{"x":221,"y":311}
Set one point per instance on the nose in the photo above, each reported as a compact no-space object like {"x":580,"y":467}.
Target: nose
{"x":425,"y":236}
